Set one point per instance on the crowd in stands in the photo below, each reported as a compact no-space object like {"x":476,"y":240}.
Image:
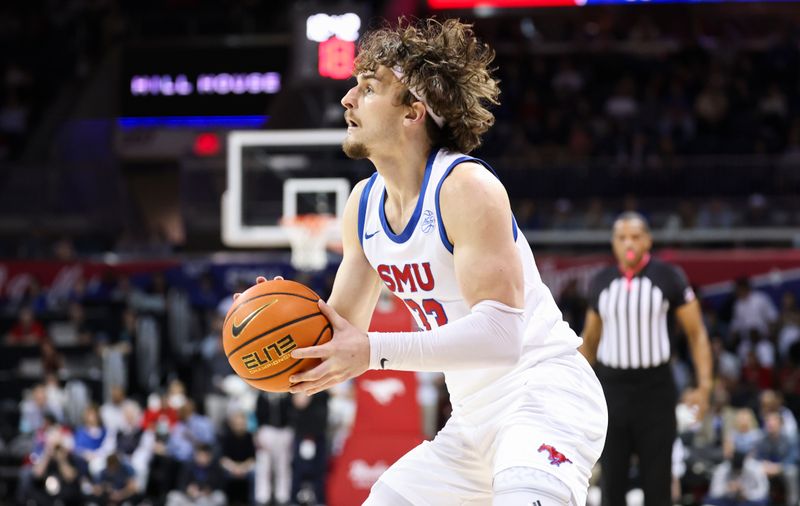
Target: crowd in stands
{"x":116,"y":414}
{"x":115,"y":411}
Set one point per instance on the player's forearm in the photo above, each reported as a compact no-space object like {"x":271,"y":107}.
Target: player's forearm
{"x":490,"y":336}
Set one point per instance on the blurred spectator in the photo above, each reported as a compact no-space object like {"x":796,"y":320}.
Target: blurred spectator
{"x":52,"y":360}
{"x":176,"y":394}
{"x":64,"y":250}
{"x":92,"y":442}
{"x":159,"y":416}
{"x":34,"y":297}
{"x":116,"y":485}
{"x":715,"y":214}
{"x":213,"y":371}
{"x":111,"y":411}
{"x":273,"y":448}
{"x":56,"y":397}
{"x":596,"y":217}
{"x":162,"y":471}
{"x":125,"y":345}
{"x":738,"y":481}
{"x":154,"y":300}
{"x":709,"y":439}
{"x":205,"y":298}
{"x":74,"y":330}
{"x":34,"y":408}
{"x":770,"y":402}
{"x":133,"y":444}
{"x":757,"y":213}
{"x":755,"y":377}
{"x":56,"y":475}
{"x":744,"y":435}
{"x":200,"y":481}
{"x":789,"y":325}
{"x":309,"y":418}
{"x":238,"y":458}
{"x":27,"y":330}
{"x":761,"y":346}
{"x":778,"y":455}
{"x":191,"y":430}
{"x":622,"y":104}
{"x":752,"y":310}
{"x":727,"y":365}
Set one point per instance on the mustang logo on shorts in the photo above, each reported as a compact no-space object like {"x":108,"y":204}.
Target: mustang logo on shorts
{"x":556,"y":457}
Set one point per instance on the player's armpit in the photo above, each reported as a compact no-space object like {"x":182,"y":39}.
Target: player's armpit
{"x":357,"y":286}
{"x":476,"y":214}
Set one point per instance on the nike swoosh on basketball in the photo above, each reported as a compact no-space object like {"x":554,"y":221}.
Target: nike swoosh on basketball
{"x":236,"y":329}
{"x":367,"y":236}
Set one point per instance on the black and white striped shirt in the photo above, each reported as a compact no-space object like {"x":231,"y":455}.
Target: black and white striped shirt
{"x":635,"y":313}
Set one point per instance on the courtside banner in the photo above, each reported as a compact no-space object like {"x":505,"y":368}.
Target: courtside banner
{"x":364,"y":458}
{"x":713,"y":271}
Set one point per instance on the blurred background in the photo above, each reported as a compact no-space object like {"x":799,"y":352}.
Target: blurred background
{"x":119,"y":253}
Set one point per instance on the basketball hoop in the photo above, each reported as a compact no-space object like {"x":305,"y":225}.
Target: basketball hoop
{"x":308,"y":238}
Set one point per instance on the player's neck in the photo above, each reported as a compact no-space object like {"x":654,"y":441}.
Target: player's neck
{"x":403,"y":174}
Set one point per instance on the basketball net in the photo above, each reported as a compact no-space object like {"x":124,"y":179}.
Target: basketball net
{"x":308,"y":238}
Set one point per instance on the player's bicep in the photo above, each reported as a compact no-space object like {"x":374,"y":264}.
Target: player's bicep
{"x":355,"y":291}
{"x":356,"y":287}
{"x":477,"y":216}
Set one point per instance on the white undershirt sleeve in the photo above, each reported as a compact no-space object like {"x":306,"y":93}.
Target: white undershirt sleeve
{"x":490,"y":335}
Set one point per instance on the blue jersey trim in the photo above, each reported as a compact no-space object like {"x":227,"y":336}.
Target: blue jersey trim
{"x":442,"y":231}
{"x":412,"y":223}
{"x":362,"y":207}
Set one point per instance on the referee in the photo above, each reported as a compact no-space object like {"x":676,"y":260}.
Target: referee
{"x":625,"y":337}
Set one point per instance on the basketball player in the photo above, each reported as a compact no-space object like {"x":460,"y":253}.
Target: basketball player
{"x":435,"y":226}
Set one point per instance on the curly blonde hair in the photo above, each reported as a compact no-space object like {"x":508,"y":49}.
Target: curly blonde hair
{"x":445,"y":63}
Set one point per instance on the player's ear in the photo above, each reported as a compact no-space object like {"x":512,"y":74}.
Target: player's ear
{"x":415,"y":112}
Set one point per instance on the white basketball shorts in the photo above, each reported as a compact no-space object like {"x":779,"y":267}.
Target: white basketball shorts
{"x":556,"y":422}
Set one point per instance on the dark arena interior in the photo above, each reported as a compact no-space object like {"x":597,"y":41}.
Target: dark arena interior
{"x":156,"y":156}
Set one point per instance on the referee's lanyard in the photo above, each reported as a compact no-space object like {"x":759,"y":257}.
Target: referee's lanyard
{"x":633,"y":271}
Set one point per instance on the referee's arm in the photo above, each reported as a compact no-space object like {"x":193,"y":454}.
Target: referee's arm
{"x":692,"y":322}
{"x":592,"y":330}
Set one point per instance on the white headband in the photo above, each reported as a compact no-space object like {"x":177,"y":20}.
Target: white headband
{"x":398,"y":72}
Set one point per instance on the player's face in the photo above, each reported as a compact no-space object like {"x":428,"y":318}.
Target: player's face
{"x":630,"y":241}
{"x":372,"y":112}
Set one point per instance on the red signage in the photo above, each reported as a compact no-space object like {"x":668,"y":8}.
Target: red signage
{"x":336,"y":58}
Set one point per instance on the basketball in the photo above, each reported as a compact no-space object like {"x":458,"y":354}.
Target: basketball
{"x":264,"y":324}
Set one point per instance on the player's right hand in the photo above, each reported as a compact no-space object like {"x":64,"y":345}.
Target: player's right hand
{"x":260,"y":279}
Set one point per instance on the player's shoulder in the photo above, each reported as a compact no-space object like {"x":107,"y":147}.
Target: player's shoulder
{"x":471,"y":180}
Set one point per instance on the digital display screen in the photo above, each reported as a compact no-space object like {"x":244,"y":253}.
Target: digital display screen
{"x":211,"y":80}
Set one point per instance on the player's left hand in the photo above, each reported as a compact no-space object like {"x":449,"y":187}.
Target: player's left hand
{"x":698,"y":399}
{"x":345,"y":356}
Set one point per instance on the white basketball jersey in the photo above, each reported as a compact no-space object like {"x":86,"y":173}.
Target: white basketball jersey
{"x":416,"y":264}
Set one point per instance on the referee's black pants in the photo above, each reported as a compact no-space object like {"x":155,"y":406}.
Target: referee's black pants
{"x":641,"y":421}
